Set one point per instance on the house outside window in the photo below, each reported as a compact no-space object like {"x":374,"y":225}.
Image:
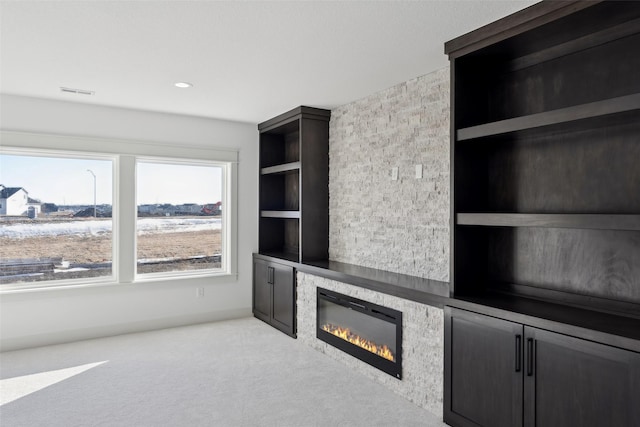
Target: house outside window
{"x":68,"y":242}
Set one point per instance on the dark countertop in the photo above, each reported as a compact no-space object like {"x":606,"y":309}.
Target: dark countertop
{"x":607,"y":328}
{"x":424,"y":291}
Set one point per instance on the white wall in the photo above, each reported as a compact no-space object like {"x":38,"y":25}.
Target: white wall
{"x":47,"y":316}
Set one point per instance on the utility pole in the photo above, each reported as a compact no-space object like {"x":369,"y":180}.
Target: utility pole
{"x":94,"y":192}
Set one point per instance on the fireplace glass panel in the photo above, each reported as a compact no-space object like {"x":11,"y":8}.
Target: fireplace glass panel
{"x":359,"y":328}
{"x":369,"y":332}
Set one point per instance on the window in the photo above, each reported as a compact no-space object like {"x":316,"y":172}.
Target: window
{"x":56,"y":223}
{"x":109,"y":211}
{"x":180,"y":216}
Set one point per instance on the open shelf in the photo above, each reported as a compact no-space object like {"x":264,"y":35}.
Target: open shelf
{"x":588,"y":221}
{"x":287,"y":167}
{"x":280,"y":191}
{"x":591,"y":110}
{"x":567,"y":169}
{"x":280,"y":235}
{"x":545,"y":176}
{"x":587,"y":41}
{"x":597,"y":263}
{"x":280,"y":214}
{"x":280,"y":145}
{"x":294,"y":160}
{"x":288,"y":256}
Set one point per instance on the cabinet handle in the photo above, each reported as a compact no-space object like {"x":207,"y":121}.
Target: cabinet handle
{"x":270,"y":275}
{"x":529,"y":357}
{"x":518,"y":353}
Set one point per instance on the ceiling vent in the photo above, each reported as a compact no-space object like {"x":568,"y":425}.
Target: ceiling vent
{"x":77,"y":91}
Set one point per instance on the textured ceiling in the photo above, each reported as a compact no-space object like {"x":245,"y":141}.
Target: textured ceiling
{"x":248,"y":60}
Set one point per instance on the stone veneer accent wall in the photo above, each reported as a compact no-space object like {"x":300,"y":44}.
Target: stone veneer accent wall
{"x":422,"y":333}
{"x":400,"y":226}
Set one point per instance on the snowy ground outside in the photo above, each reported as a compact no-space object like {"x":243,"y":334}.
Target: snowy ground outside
{"x":54,"y":249}
{"x":104,"y":226}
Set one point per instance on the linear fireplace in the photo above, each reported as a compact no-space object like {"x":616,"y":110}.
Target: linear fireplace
{"x":369,"y":332}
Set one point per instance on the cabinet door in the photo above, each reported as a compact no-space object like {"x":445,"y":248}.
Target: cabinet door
{"x":483,"y":370}
{"x":261,"y":291}
{"x":284,"y":299}
{"x":573,"y":382}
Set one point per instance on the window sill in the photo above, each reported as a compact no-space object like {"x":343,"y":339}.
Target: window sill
{"x":216,"y":276}
{"x":212,"y":278}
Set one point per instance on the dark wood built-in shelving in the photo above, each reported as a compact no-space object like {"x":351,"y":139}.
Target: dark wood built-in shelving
{"x":589,"y":221}
{"x":545,"y":205}
{"x":280,"y":214}
{"x":587,"y":41}
{"x":294,"y":160}
{"x":545,"y":177}
{"x":287,"y":167}
{"x":553,"y":117}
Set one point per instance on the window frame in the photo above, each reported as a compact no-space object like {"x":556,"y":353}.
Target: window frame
{"x":225,"y":199}
{"x":65,"y":154}
{"x":125,"y":154}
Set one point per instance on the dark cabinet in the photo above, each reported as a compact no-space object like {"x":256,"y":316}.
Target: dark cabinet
{"x":483,"y":371}
{"x":570,"y":381}
{"x":274,"y":295}
{"x":503,"y":373}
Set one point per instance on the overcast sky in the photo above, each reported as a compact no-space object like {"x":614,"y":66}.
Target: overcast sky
{"x":67,"y":181}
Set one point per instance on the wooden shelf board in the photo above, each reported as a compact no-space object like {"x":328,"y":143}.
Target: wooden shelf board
{"x":282,"y":255}
{"x":585,"y":42}
{"x":287,"y":167}
{"x":588,"y":221}
{"x":563,"y":115}
{"x":280,"y":214}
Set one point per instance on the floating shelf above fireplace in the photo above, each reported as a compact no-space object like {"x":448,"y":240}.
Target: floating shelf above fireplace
{"x":369,"y":332}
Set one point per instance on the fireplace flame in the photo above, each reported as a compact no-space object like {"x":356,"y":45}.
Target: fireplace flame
{"x":347,"y":335}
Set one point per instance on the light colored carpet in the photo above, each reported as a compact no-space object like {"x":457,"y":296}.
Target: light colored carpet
{"x":234,"y":373}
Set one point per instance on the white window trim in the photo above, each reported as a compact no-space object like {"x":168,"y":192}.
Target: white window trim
{"x":226,"y":201}
{"x":124,"y":154}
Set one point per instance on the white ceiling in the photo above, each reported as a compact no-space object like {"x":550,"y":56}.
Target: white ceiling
{"x":248,"y":60}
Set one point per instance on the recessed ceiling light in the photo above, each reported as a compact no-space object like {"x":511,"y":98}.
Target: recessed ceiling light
{"x":182,"y":85}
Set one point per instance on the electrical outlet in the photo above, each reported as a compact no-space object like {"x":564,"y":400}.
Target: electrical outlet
{"x":394,"y":174}
{"x":200,"y":292}
{"x":418,"y":171}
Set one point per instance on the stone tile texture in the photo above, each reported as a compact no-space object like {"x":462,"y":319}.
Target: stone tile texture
{"x":395,"y":225}
{"x":374,"y":221}
{"x":422,"y":347}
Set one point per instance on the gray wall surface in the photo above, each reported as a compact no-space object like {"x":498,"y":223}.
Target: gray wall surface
{"x":374,"y":221}
{"x":395,"y":225}
{"x":422,"y":337}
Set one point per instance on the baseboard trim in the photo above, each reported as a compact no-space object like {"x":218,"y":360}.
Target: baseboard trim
{"x":61,"y":337}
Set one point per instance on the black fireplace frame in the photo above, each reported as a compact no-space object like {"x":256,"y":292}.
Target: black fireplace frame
{"x":393,"y":368}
